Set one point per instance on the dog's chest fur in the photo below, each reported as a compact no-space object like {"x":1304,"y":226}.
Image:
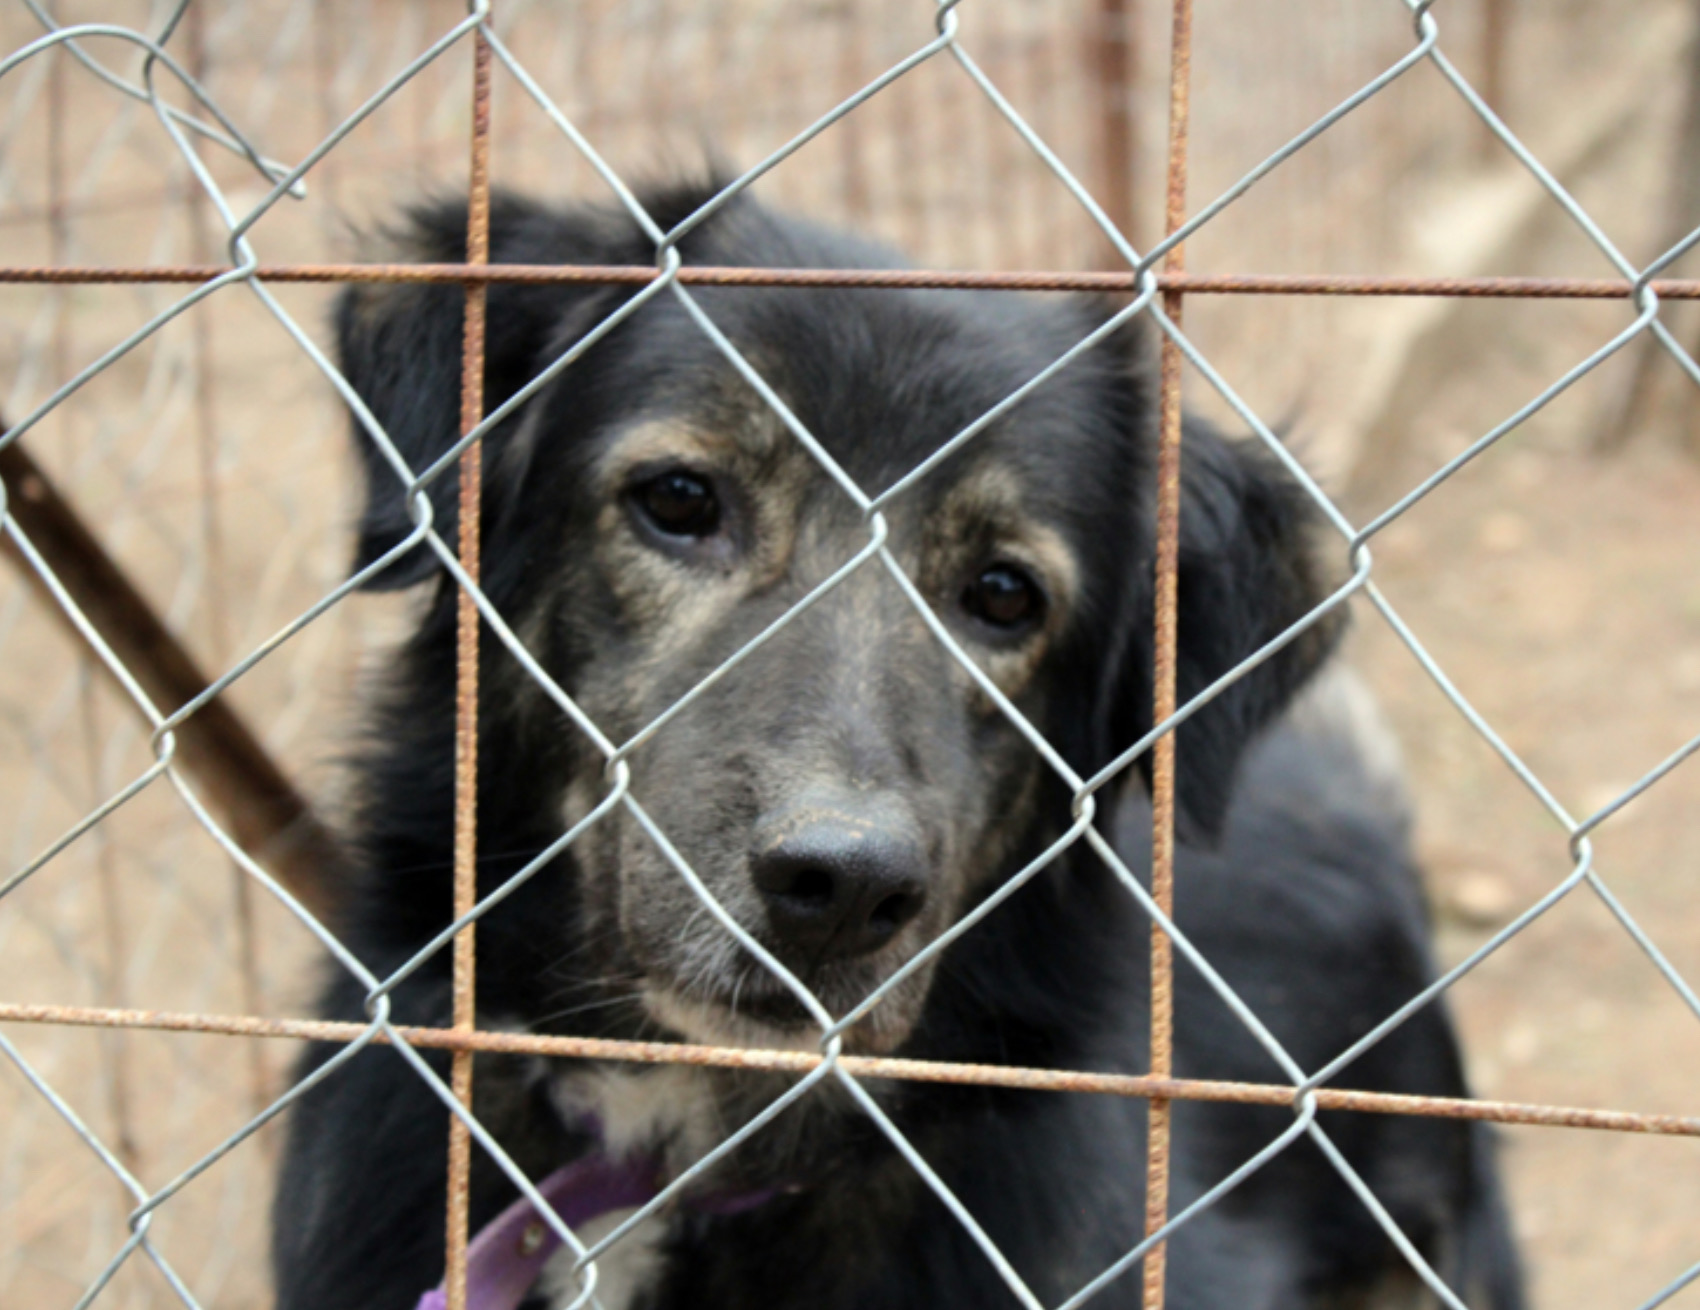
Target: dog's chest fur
{"x":667,"y":1112}
{"x":623,"y":1274}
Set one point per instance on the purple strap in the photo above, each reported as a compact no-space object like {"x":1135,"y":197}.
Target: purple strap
{"x":507,"y":1257}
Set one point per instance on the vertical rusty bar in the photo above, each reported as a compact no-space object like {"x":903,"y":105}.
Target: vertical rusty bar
{"x":466,"y":673}
{"x":1163,"y":665}
{"x":1115,"y":55}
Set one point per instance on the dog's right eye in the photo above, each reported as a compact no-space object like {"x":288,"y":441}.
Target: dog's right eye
{"x":1004,"y":596}
{"x":679,"y":504}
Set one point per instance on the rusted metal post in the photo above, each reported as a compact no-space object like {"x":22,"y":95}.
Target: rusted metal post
{"x":466,"y":675}
{"x":1163,"y":666}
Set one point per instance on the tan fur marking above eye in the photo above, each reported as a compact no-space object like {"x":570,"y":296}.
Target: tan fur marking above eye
{"x":658,"y":441}
{"x":673,"y":599}
{"x":736,"y":437}
{"x":987,"y":511}
{"x":1044,"y":549}
{"x":984,"y":519}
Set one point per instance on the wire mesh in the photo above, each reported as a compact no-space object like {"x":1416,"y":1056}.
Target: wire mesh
{"x":153,"y":143}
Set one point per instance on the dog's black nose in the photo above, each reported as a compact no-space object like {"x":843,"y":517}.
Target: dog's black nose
{"x":836,"y":888}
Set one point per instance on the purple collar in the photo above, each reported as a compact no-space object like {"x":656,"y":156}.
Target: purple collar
{"x":507,"y":1256}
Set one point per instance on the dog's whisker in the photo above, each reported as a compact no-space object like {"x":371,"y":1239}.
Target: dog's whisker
{"x":591,"y":1007}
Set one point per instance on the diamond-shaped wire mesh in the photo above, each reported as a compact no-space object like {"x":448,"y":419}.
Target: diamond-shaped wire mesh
{"x":191,"y":421}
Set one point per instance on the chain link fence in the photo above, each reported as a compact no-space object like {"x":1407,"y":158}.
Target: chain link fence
{"x":180,"y":191}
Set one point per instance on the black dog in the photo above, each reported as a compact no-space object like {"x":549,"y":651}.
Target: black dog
{"x":848,"y":792}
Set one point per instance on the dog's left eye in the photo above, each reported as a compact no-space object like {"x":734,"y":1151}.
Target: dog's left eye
{"x":1005,"y":597}
{"x":680,"y":504}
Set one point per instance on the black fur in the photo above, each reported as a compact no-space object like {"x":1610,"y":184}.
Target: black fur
{"x":1299,"y":888}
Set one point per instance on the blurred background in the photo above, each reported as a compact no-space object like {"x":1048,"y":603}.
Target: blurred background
{"x":1556,"y":580}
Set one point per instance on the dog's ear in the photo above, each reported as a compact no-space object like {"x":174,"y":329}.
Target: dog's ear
{"x":1249,"y":570}
{"x":399,"y":345}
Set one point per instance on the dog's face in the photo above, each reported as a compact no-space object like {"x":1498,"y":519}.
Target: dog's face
{"x":846,"y":789}
{"x":837,"y":776}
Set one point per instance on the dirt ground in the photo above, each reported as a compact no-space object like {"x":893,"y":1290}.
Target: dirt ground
{"x":1559,"y":589}
{"x":1561,"y":595}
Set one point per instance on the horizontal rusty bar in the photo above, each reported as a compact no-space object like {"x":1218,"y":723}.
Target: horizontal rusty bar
{"x":929,"y":1071}
{"x":1224,"y":284}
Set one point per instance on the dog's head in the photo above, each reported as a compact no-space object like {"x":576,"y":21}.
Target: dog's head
{"x":846,"y":788}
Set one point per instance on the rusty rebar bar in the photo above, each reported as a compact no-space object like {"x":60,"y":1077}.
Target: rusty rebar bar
{"x":1138,"y":1086}
{"x":1163,"y":673}
{"x":1192,"y":284}
{"x":466,"y":677}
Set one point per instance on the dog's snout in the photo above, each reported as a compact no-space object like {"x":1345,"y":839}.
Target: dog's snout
{"x":836,"y":888}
